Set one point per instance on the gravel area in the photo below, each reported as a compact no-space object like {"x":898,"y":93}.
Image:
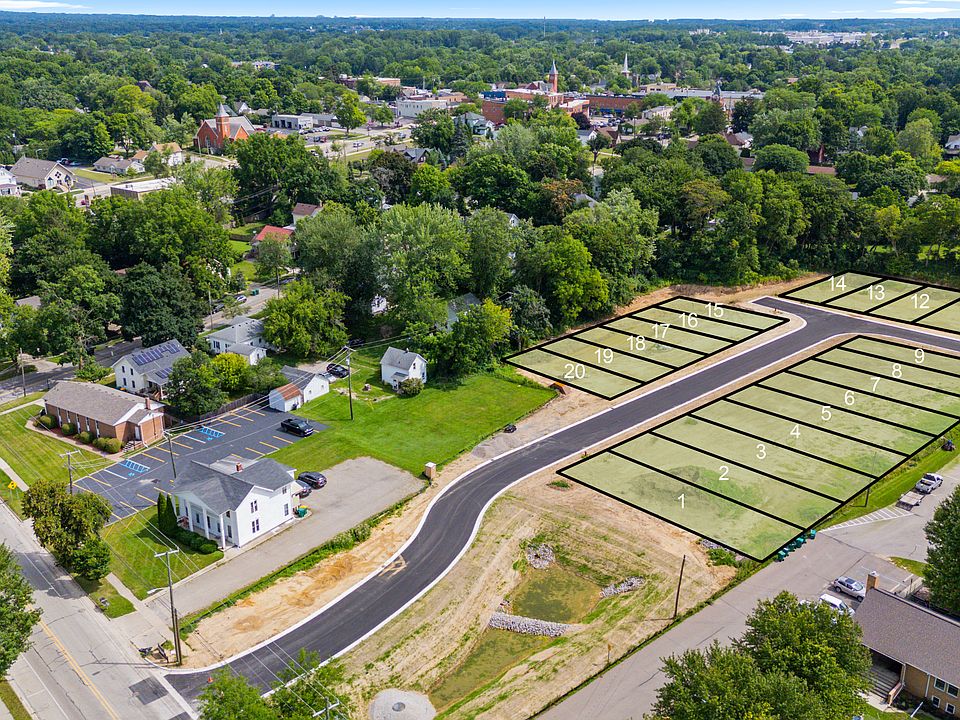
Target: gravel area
{"x":540,"y":556}
{"x":628,"y":585}
{"x":401,"y":705}
{"x":527,"y":626}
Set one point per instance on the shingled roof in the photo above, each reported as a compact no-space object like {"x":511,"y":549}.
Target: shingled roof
{"x":911,"y":634}
{"x":221,"y":491}
{"x":98,"y":402}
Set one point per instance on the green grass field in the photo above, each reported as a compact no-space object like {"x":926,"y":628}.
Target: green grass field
{"x":12,"y":496}
{"x":116,"y":604}
{"x":442,"y":422}
{"x":21,"y":401}
{"x":34,"y":455}
{"x":554,"y":594}
{"x":10,"y":700}
{"x":135,"y":539}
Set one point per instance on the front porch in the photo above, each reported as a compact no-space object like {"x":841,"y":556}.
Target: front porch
{"x":197,"y":519}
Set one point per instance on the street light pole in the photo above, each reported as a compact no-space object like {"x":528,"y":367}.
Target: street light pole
{"x":173,"y":463}
{"x":173,"y":610}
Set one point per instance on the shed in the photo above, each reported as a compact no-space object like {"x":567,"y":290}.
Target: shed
{"x":286,"y":398}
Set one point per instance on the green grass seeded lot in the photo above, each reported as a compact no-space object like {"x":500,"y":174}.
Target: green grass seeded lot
{"x":440,"y":423}
{"x":34,"y":455}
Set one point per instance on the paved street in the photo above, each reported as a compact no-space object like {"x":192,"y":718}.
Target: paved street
{"x":80,"y":666}
{"x":628,"y":690}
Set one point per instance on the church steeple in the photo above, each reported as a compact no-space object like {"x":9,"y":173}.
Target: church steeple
{"x":626,"y":68}
{"x":554,"y":77}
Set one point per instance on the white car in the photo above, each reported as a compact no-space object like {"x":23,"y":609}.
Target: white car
{"x":837,"y":604}
{"x":928,"y":483}
{"x":849,"y":586}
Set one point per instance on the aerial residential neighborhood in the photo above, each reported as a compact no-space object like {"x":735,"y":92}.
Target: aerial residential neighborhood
{"x":491,"y":366}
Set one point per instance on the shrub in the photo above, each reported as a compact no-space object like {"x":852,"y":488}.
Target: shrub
{"x":48,"y":421}
{"x":68,"y":429}
{"x":85,"y":436}
{"x":108,"y":444}
{"x":410,"y":387}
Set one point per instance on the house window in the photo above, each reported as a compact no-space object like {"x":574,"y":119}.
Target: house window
{"x":935,"y":701}
{"x":253,"y":506}
{"x":285,"y":489}
{"x":286,"y":509}
{"x":228,"y":513}
{"x":952,"y":690}
{"x":229,"y":534}
{"x":198,"y":518}
{"x":133,"y":383}
{"x":255,"y":526}
{"x":939,"y":684}
{"x":950,"y":709}
{"x":208,"y":522}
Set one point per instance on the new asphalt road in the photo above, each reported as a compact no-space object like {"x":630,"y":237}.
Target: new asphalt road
{"x":449,"y":525}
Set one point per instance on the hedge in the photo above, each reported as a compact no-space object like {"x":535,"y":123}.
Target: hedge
{"x":108,"y":444}
{"x":48,"y":421}
{"x":85,"y":436}
{"x":68,"y":429}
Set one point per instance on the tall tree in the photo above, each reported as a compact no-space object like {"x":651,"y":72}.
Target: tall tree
{"x":159,"y":305}
{"x":17,"y":617}
{"x":193,"y":387}
{"x":942,"y":573}
{"x":434,"y":130}
{"x":306,"y":321}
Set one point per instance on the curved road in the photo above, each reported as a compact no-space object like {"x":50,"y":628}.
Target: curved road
{"x":449,"y":525}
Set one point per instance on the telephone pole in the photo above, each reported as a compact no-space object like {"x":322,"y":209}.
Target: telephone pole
{"x":70,"y":466}
{"x":676,"y":605}
{"x":173,"y":610}
{"x":173,"y":463}
{"x":23,"y":373}
{"x":349,"y":380}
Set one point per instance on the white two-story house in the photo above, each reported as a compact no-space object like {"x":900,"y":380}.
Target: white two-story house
{"x":399,"y":365}
{"x":237,"y":500}
{"x":244,"y":336}
{"x":147,"y":370}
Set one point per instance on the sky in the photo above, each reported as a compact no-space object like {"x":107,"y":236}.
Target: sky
{"x":608,"y":10}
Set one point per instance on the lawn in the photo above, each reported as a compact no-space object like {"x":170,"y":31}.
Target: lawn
{"x":9,"y":699}
{"x":117,"y":604}
{"x":12,"y":496}
{"x":442,"y":422}
{"x":21,"y":401}
{"x":135,"y":539}
{"x":912,"y":566}
{"x":101,"y":177}
{"x":34,"y":455}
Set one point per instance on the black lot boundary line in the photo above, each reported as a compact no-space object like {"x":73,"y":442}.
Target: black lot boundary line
{"x":920,"y":320}
{"x":664,"y":343}
{"x":704,"y":318}
{"x":678,"y":326}
{"x":698,"y":486}
{"x":607,"y":325}
{"x":906,"y":363}
{"x":792,"y":372}
{"x":589,"y":364}
{"x":835,"y":433}
{"x":813,"y":283}
{"x":937,"y":353}
{"x":628,"y":353}
{"x":725,"y":308}
{"x":834,"y":363}
{"x":844,"y":409}
{"x":917,"y":287}
{"x":737,"y":463}
{"x":563,"y":472}
{"x":882,"y":278}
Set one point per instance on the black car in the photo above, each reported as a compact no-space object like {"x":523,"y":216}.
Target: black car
{"x":337,"y":370}
{"x":297,"y":426}
{"x":313,"y":479}
{"x":304,"y":491}
{"x":355,"y":343}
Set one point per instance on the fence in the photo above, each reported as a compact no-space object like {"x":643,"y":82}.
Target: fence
{"x":225,"y":408}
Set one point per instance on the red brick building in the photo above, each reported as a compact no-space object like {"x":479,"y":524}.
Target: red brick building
{"x":105,"y":411}
{"x":215,"y":132}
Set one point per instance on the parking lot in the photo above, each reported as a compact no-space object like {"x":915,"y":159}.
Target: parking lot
{"x":132,"y":484}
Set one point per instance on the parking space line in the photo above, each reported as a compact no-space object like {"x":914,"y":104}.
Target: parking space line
{"x":241,"y":417}
{"x":223,"y":420}
{"x":194,"y":439}
{"x":94,"y":477}
{"x":255,"y":452}
{"x":177,"y":442}
{"x":272,"y":447}
{"x":146,"y":498}
{"x":114,"y":474}
{"x":283,"y":440}
{"x":152,"y":457}
{"x":255,"y":412}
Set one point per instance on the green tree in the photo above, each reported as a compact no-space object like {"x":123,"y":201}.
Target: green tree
{"x":273,"y":258}
{"x":158,"y":305}
{"x":530,"y":314}
{"x":193,"y":387}
{"x":434,"y":130}
{"x":717,"y":155}
{"x":430,"y":184}
{"x":91,"y":561}
{"x":393,"y":172}
{"x":491,"y":242}
{"x":306,"y":321}
{"x":382,"y":114}
{"x":781,"y":158}
{"x":475,"y":340}
{"x":600,"y":141}
{"x":349,"y":113}
{"x":214,"y":188}
{"x":232,"y":371}
{"x":84,"y":137}
{"x":919,"y":140}
{"x":231,"y":697}
{"x":711,"y":119}
{"x":64,"y":522}
{"x":492,"y":181}
{"x":942,"y":573}
{"x":17,"y":616}
{"x":515,"y":109}
{"x":797,"y":128}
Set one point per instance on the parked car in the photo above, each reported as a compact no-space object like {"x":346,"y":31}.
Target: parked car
{"x":511,"y":428}
{"x":241,"y":298}
{"x":837,"y":604}
{"x":313,"y":479}
{"x":297,"y":426}
{"x":928,"y":483}
{"x":304,"y":490}
{"x":337,"y":370}
{"x":849,"y":586}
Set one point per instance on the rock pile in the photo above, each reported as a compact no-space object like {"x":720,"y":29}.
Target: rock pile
{"x":628,"y":585}
{"x":527,"y":626}
{"x":540,"y":556}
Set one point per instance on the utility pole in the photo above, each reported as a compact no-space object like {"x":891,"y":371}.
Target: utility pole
{"x":23,"y":373}
{"x":173,"y":610}
{"x":676,"y":605}
{"x":349,"y":380}
{"x":210,"y":305}
{"x":70,"y":466}
{"x":173,"y":463}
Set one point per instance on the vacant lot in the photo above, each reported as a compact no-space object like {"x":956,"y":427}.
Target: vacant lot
{"x":443,"y":421}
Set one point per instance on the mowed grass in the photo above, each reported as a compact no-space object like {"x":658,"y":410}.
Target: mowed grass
{"x":12,"y":496}
{"x":445,"y":420}
{"x":116,"y":605}
{"x":134,"y":541}
{"x":554,"y":594}
{"x":34,"y":455}
{"x":30,"y":397}
{"x":13,"y":704}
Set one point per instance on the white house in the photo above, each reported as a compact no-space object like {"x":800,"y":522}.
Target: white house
{"x":118,"y":165}
{"x":42,"y":174}
{"x":459,"y":305}
{"x":292,"y":122}
{"x":235,"y":501}
{"x":399,"y":365}
{"x":244,"y":336}
{"x":952,"y":146}
{"x":8,"y":183}
{"x":302,"y":211}
{"x":303,"y":386}
{"x":147,"y":370}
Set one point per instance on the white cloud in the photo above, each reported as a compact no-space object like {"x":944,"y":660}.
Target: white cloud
{"x":35,"y":5}
{"x":920,"y":10}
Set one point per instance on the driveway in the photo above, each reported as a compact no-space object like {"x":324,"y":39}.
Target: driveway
{"x":131,"y":485}
{"x":355,"y":490}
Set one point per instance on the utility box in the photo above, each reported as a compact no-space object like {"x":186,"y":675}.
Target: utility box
{"x":430,"y":470}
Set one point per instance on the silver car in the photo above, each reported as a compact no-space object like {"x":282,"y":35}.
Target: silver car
{"x":928,"y":483}
{"x":849,"y":586}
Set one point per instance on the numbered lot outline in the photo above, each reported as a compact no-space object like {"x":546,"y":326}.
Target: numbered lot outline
{"x":913,"y":302}
{"x":617,"y":356}
{"x":729,"y":471}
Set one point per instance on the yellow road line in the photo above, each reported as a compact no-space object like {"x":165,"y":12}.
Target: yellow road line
{"x":122,"y":502}
{"x":152,"y":457}
{"x":255,"y":452}
{"x":272,"y":447}
{"x":102,"y":482}
{"x":283,"y":440}
{"x":78,"y":670}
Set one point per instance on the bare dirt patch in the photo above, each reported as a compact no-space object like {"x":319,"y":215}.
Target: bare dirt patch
{"x":593,"y":536}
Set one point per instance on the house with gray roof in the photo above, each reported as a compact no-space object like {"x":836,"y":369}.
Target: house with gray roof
{"x":42,"y":174}
{"x":235,"y":500}
{"x":915,"y":646}
{"x":302,"y":387}
{"x":147,"y":370}
{"x":243,"y":336}
{"x":105,"y":411}
{"x":399,"y":365}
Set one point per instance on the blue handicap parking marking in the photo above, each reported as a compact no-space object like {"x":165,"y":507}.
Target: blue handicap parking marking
{"x":135,"y":466}
{"x":210,"y":432}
